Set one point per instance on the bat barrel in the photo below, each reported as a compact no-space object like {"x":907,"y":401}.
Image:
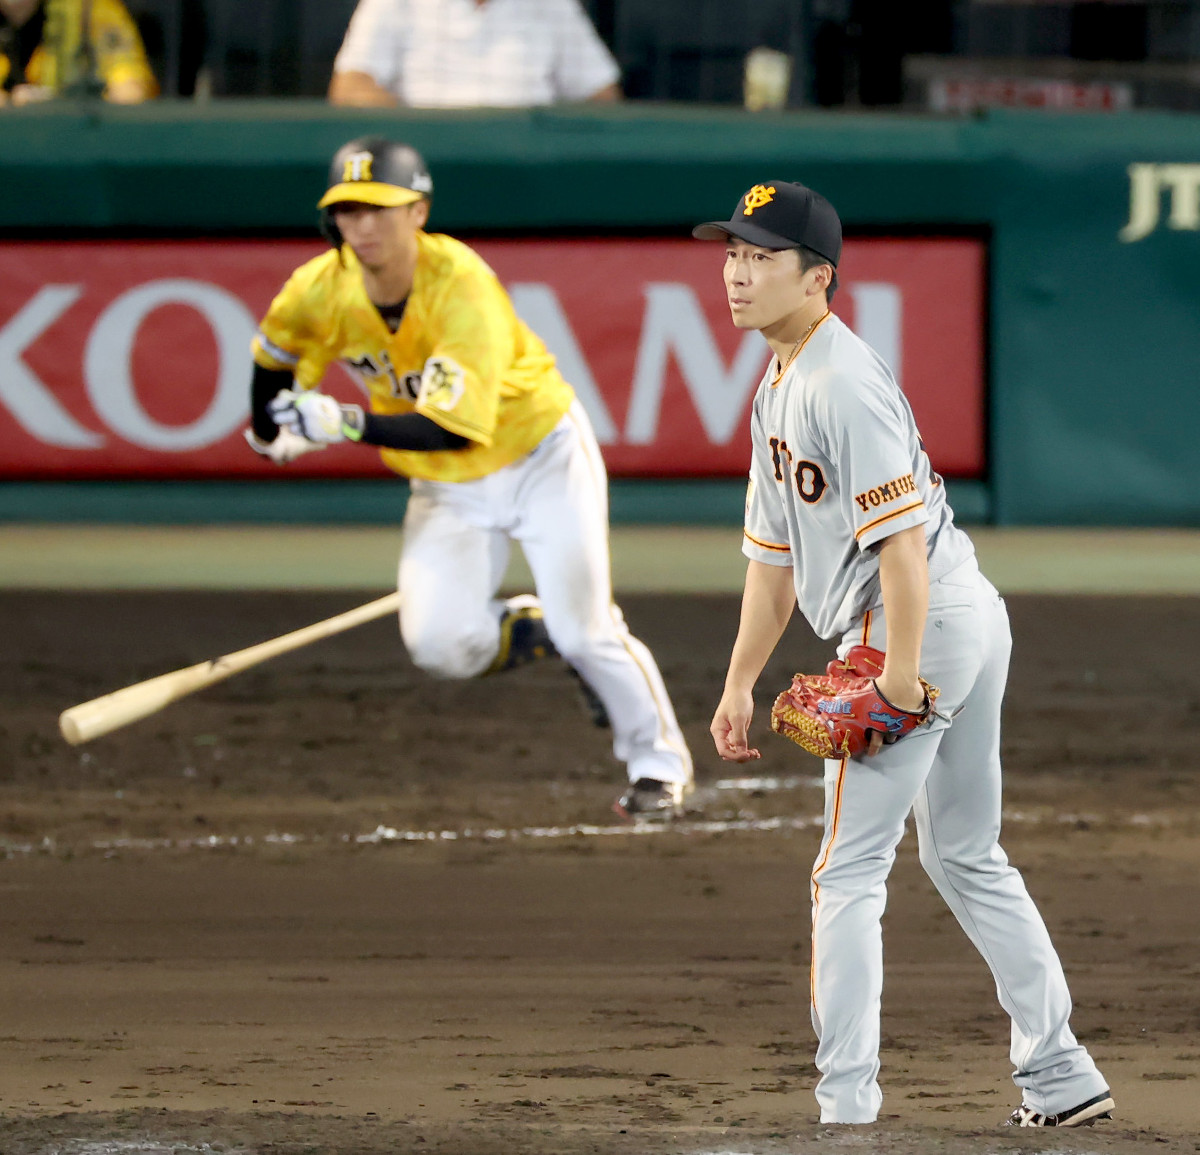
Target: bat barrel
{"x":110,"y":712}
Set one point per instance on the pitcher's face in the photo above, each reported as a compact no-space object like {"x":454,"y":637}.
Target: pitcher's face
{"x":765,"y":286}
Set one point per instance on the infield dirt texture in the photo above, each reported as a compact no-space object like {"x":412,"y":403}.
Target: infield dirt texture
{"x":202,"y":952}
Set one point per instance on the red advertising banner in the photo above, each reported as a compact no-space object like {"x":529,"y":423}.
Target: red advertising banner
{"x":126,"y":359}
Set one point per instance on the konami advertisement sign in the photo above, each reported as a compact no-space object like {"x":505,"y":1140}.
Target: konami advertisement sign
{"x":126,"y":359}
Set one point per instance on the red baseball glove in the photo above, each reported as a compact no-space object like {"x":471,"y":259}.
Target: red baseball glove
{"x":833,"y":714}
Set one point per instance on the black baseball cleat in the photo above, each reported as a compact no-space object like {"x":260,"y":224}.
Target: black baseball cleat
{"x":524,"y":639}
{"x":523,"y":635}
{"x":649,"y":799}
{"x":1083,"y":1115}
{"x":592,"y":705}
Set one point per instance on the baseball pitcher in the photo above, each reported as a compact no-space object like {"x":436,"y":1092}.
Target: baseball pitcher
{"x":846,"y":518}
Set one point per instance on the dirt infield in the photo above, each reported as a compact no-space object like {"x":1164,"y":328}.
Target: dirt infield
{"x":334,"y":907}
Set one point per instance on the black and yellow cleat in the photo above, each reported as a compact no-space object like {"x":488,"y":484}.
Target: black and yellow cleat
{"x":523,"y":635}
{"x":524,"y":639}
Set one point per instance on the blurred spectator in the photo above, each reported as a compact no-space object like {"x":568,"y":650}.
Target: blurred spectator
{"x":471,"y":53}
{"x":175,"y":34}
{"x":51,"y":46}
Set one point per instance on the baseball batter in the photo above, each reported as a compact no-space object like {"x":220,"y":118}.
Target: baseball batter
{"x":846,"y":518}
{"x":465,"y":401}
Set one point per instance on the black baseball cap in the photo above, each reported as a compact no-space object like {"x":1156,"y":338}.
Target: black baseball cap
{"x":781,"y":214}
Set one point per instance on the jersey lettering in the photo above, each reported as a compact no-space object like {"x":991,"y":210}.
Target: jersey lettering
{"x":779,"y":451}
{"x":888,"y":491}
{"x":810,"y":482}
{"x":379,"y":365}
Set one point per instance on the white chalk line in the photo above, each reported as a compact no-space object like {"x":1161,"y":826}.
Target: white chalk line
{"x":140,"y":1147}
{"x":151,"y":1147}
{"x":390,"y":835}
{"x":768,"y":785}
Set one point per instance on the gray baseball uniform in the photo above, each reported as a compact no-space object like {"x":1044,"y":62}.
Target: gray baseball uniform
{"x":838,"y":466}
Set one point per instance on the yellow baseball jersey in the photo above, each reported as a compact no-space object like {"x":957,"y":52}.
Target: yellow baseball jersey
{"x":120,"y":54}
{"x":461,"y":355}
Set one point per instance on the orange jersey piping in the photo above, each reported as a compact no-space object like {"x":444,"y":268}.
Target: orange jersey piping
{"x":816,"y":896}
{"x":888,"y":517}
{"x":766,"y":544}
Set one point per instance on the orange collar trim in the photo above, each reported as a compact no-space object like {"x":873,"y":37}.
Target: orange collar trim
{"x":800,"y":348}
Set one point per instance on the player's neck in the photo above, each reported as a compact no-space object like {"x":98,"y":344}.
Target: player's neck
{"x":387,"y":286}
{"x":390,"y":283}
{"x":787,"y":336}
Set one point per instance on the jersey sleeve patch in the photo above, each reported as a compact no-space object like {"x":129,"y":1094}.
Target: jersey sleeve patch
{"x":443,"y":383}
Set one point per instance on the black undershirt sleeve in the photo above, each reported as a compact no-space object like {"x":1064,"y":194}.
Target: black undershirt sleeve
{"x":409,"y":431}
{"x":263,"y":387}
{"x":413,"y":431}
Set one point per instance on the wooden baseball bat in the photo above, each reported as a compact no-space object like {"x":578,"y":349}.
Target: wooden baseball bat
{"x":102,"y":715}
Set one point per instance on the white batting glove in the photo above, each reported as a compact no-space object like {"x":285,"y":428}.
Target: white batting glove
{"x":286,"y":447}
{"x":316,"y":416}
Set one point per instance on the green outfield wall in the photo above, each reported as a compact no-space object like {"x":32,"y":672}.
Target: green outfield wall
{"x":1092,"y":222}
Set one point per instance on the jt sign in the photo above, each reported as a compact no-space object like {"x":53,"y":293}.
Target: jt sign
{"x":1147,"y":182}
{"x":128,"y":359}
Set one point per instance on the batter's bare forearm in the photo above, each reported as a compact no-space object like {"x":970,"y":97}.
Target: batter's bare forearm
{"x":359,"y":90}
{"x":904,"y":583}
{"x":609,"y":94}
{"x":767,"y":604}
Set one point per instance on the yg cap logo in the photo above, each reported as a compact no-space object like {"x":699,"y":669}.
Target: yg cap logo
{"x":758,"y":196}
{"x":358,"y":167}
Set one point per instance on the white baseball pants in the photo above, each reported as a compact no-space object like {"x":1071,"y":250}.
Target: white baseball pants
{"x":554,"y":503}
{"x":949,"y":777}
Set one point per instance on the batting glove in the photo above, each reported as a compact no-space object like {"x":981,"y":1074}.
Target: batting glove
{"x":286,"y":447}
{"x":316,"y":416}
